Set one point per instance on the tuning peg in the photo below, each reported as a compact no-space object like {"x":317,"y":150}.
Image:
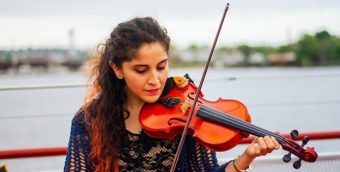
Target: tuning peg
{"x":287,"y":158}
{"x":294,"y":134}
{"x":305,"y":141}
{"x":297,"y":164}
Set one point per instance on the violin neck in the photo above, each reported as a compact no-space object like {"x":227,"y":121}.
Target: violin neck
{"x":228,"y":120}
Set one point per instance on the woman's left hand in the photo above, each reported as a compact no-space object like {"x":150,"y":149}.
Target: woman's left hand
{"x":259,"y":147}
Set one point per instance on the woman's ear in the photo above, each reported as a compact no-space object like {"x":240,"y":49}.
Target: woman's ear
{"x":118,"y":72}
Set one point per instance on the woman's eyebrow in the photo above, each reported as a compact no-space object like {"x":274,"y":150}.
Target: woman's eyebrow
{"x":163,"y":61}
{"x":140,"y":65}
{"x":145,"y":65}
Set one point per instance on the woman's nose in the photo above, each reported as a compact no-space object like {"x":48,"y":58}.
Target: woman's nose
{"x":154,"y":78}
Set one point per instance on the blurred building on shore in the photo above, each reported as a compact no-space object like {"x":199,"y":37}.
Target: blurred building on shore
{"x":43,"y":59}
{"x":40,"y":59}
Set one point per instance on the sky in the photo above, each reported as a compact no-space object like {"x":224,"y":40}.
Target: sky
{"x":46,"y":24}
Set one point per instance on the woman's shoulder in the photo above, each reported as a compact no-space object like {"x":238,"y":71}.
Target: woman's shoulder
{"x":79,"y":117}
{"x":83,"y":112}
{"x":79,"y":121}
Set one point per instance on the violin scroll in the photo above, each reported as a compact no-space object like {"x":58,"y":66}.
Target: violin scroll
{"x":308,"y":154}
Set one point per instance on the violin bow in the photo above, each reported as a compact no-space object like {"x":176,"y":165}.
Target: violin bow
{"x":186,"y":127}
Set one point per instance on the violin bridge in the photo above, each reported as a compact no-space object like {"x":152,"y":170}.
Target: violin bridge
{"x":186,"y":105}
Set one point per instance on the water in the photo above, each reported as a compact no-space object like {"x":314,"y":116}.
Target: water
{"x":306,"y":99}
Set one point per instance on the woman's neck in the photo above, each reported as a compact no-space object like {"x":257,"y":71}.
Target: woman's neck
{"x":132,"y":123}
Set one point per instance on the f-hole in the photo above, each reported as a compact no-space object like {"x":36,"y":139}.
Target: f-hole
{"x":191,"y":96}
{"x":171,"y":120}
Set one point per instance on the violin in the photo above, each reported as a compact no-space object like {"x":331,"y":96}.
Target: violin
{"x":218,"y":125}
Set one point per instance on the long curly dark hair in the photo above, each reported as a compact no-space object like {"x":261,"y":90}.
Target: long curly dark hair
{"x":104,"y":105}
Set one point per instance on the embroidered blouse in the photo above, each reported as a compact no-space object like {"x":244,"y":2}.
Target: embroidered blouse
{"x":140,"y":152}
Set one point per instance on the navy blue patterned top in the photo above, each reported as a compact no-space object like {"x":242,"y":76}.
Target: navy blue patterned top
{"x":140,"y":152}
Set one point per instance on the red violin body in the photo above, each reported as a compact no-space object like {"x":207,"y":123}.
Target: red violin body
{"x":166,"y":122}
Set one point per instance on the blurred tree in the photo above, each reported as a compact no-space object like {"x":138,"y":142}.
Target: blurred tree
{"x":194,"y":48}
{"x":320,"y":49}
{"x":265,"y":50}
{"x":324,"y":48}
{"x":336,"y":58}
{"x":246,"y":51}
{"x":306,"y":50}
{"x":285,"y":48}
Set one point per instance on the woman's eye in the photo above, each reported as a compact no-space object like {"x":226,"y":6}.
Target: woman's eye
{"x":140,"y":71}
{"x":160,"y":68}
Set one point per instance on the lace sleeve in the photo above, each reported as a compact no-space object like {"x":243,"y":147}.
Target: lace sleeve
{"x":202,"y":159}
{"x":78,"y":146}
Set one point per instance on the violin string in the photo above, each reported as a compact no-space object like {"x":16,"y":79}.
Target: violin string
{"x":247,"y":126}
{"x":242,"y":124}
{"x":255,"y":128}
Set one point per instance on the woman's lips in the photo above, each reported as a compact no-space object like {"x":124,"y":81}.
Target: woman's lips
{"x":152,"y":91}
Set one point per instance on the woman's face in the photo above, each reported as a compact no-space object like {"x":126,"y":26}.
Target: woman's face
{"x":145,"y":75}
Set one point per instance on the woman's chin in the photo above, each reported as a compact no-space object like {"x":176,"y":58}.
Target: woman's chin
{"x":152,"y":99}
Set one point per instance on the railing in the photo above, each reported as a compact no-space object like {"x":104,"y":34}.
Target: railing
{"x":39,"y":87}
{"x":55,"y":151}
{"x":262,"y":164}
{"x":35,"y":152}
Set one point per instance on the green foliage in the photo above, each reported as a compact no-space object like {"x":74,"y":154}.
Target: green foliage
{"x":246,"y":51}
{"x":285,"y":48}
{"x":306,"y":50}
{"x":322,"y":48}
{"x":265,"y":50}
{"x":195,"y":48}
{"x":186,"y":64}
{"x":319,"y":49}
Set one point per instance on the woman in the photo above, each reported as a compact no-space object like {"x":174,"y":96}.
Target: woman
{"x":106,"y":134}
